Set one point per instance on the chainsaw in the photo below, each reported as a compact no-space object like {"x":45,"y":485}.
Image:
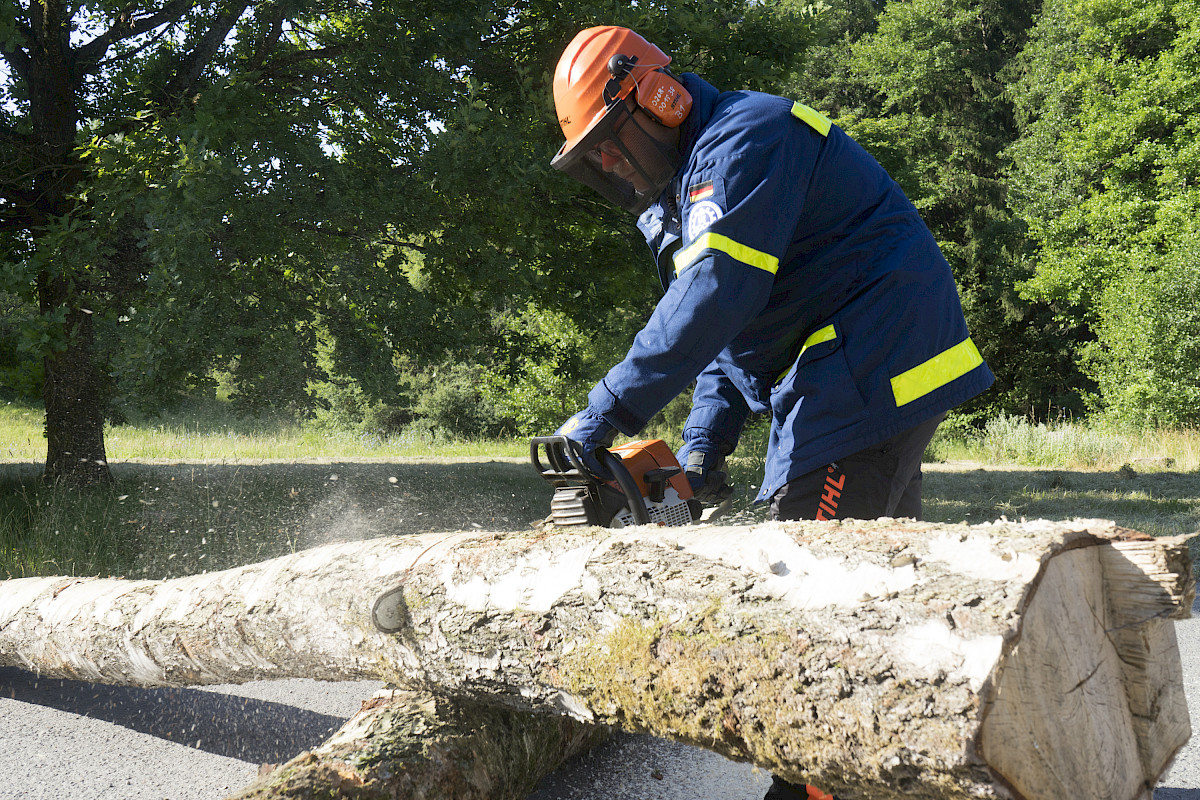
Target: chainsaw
{"x":648,"y":485}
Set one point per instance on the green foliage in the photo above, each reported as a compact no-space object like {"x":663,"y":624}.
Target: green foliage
{"x":449,"y":401}
{"x":1104,"y":177}
{"x":546,"y":363}
{"x":1147,"y":359}
{"x":454,"y":401}
{"x":20,"y":369}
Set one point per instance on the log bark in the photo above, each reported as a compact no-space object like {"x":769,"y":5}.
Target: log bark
{"x":412,"y":744}
{"x":879,"y":659}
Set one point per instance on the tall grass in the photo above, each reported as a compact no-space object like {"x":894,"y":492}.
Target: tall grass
{"x":210,"y":432}
{"x":204,"y":488}
{"x":1067,"y":445}
{"x":44,"y":530}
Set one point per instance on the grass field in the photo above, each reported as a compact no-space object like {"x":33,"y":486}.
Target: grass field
{"x":205,"y":492}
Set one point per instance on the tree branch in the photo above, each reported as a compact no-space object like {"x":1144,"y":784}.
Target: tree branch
{"x":153,"y":40}
{"x":316,"y":54}
{"x":15,"y":222}
{"x":191,"y":66}
{"x":270,"y":39}
{"x":11,"y":138}
{"x":89,"y":55}
{"x":16,"y":197}
{"x":17,"y":58}
{"x":403,"y":243}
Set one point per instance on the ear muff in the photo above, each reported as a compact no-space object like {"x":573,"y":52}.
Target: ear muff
{"x":656,"y":91}
{"x":663,"y":98}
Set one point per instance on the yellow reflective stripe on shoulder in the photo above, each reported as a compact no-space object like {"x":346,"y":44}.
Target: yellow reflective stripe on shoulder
{"x":822,"y":335}
{"x":936,"y":372}
{"x":815,"y":119}
{"x":723,"y":244}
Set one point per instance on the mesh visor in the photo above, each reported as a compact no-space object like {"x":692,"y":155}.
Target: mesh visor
{"x":654,"y":161}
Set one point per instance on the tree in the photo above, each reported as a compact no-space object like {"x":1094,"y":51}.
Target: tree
{"x":180,"y":183}
{"x":216,"y":183}
{"x":1105,"y":178}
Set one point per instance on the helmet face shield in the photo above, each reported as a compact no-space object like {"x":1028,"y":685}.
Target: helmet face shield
{"x":618,"y":145}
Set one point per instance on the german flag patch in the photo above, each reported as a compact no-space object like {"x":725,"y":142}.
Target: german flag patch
{"x":701,"y":191}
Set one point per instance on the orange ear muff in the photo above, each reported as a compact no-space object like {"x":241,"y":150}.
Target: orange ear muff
{"x":663,"y":97}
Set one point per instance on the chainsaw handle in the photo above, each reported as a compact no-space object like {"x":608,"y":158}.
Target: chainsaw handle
{"x":564,"y":460}
{"x":629,"y":487}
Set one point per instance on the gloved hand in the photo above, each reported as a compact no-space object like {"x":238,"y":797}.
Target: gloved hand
{"x":591,"y":431}
{"x":705,"y":471}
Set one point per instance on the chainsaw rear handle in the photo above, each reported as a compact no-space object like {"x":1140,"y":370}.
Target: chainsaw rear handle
{"x":566,"y":467}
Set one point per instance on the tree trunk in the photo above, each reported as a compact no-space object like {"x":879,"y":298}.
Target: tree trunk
{"x":74,"y":400}
{"x":876,"y":659}
{"x":417,"y":745}
{"x":72,"y":385}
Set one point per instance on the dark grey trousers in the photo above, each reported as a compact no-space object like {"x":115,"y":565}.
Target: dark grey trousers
{"x":883,"y":480}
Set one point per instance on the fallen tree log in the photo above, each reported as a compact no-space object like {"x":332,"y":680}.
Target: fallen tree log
{"x":410,"y":744}
{"x":875,"y":659}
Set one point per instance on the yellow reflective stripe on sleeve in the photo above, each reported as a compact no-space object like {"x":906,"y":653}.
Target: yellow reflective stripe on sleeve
{"x":936,"y":372}
{"x":826,"y":334}
{"x":723,"y":244}
{"x":815,"y":119}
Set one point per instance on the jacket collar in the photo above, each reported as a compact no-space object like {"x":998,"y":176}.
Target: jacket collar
{"x":704,"y":103}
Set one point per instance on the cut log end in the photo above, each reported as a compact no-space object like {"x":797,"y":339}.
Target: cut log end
{"x":1095,"y":663}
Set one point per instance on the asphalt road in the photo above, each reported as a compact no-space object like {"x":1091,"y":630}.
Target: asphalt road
{"x":67,"y":739}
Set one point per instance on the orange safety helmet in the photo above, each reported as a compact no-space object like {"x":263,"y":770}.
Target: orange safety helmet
{"x":588,"y":66}
{"x":598,"y":71}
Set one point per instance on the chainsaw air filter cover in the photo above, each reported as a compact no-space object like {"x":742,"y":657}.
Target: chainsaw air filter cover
{"x":673,"y":510}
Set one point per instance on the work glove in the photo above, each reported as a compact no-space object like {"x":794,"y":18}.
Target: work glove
{"x":591,"y":432}
{"x":705,"y":470}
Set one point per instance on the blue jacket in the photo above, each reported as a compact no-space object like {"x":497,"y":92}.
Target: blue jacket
{"x":800,"y":281}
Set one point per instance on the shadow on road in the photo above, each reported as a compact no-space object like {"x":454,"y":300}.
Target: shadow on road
{"x":255,"y":731}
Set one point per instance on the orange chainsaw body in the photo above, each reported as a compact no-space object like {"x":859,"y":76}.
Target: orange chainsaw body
{"x":646,"y":455}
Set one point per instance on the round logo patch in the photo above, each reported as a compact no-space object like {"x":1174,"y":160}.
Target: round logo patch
{"x":701,"y":216}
